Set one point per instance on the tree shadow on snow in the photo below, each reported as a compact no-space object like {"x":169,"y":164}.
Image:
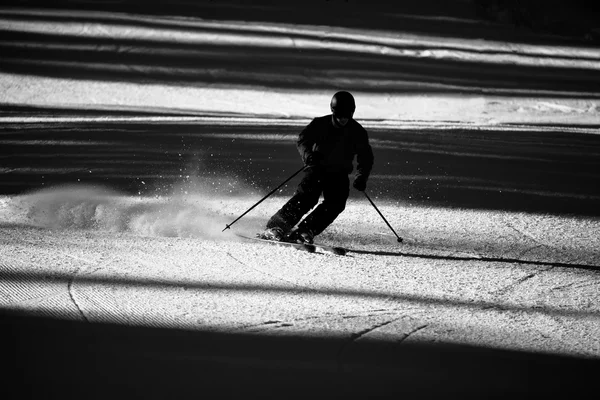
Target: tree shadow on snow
{"x":53,"y":358}
{"x":534,"y":170}
{"x":77,"y":56}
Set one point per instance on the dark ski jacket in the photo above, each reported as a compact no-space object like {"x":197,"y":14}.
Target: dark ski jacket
{"x":337,"y":145}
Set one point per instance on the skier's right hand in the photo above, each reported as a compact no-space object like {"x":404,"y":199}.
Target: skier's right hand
{"x":314,"y":159}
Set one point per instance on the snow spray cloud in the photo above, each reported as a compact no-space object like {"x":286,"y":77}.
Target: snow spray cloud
{"x":95,"y":208}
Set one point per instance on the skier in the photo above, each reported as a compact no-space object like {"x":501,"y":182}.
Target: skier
{"x":327,"y":147}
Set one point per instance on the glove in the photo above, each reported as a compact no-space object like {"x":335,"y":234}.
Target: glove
{"x":360,"y":183}
{"x":314,"y":159}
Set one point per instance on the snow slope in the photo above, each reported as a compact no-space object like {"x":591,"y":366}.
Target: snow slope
{"x":200,"y":67}
{"x":510,"y":291}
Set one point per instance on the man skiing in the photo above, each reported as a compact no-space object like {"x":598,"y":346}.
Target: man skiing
{"x":327,"y":147}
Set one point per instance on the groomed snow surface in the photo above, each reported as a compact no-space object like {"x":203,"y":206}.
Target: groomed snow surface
{"x":509,"y":293}
{"x":144,"y":294}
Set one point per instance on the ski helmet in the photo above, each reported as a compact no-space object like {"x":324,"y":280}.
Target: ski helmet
{"x":342,"y":104}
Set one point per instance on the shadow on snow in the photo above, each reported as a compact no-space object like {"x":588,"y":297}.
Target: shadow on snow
{"x":55,"y":358}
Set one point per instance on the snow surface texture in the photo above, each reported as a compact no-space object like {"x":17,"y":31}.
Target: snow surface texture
{"x":457,"y":275}
{"x":512,"y":236}
{"x":513,"y":281}
{"x":391,"y":89}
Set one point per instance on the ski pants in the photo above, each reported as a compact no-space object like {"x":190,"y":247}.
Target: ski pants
{"x":335,"y":188}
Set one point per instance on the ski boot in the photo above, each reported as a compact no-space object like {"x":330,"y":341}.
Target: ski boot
{"x":302,"y":236}
{"x":275,"y":234}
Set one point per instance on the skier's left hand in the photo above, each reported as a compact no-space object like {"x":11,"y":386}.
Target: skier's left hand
{"x":360,"y":183}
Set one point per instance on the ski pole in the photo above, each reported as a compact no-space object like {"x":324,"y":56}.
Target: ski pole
{"x":264,"y":198}
{"x":379,"y":212}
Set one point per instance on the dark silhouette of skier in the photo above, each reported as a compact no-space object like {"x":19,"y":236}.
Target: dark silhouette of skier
{"x":327,"y":146}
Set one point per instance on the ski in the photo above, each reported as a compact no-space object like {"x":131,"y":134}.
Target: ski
{"x":310,"y":248}
{"x":298,"y":246}
{"x":338,"y":251}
